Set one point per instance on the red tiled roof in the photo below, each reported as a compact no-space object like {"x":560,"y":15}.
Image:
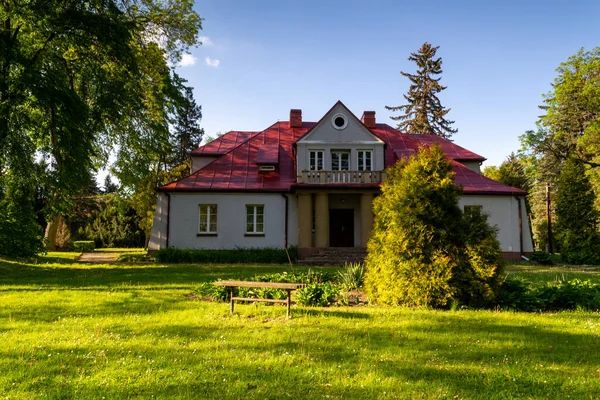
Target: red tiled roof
{"x":240,"y":153}
{"x":452,"y":150}
{"x":268,"y":154}
{"x":237,"y":170}
{"x":223,"y":144}
{"x":474,"y":183}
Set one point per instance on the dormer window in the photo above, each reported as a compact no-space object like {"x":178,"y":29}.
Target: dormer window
{"x":339,"y":121}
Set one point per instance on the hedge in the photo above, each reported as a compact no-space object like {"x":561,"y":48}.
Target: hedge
{"x":265,"y":255}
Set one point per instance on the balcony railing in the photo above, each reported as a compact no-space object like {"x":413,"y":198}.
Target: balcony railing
{"x":329,"y":177}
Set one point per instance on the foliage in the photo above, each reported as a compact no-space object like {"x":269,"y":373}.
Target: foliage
{"x":576,"y":218}
{"x":81,"y":79}
{"x":145,"y":195}
{"x":188,"y":134}
{"x":213,"y":292}
{"x":320,"y":289}
{"x":20,"y":234}
{"x":518,"y":295}
{"x":424,"y":113}
{"x":114,"y":225}
{"x":238,"y":255}
{"x":84,"y":245}
{"x":422,"y":250}
{"x":570,"y":127}
{"x":352,"y":276}
{"x":541,"y":257}
{"x":317,"y":294}
{"x":511,"y":172}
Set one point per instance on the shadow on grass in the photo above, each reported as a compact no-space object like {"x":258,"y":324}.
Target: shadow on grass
{"x":72,"y":274}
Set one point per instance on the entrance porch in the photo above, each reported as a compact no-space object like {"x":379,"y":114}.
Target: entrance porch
{"x":333,"y":219}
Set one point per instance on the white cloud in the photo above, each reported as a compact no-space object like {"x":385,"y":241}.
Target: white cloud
{"x":205,"y":40}
{"x":187,"y":60}
{"x":212,"y":63}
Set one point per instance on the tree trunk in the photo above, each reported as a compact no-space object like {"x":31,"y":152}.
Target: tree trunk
{"x":50,"y":234}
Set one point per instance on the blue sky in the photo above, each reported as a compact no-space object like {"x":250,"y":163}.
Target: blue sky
{"x":262,"y":58}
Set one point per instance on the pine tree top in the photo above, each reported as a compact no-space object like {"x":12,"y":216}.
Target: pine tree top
{"x":424,"y":113}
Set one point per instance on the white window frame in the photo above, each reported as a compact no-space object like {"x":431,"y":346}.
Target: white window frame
{"x":319,"y":154}
{"x":362,"y":161}
{"x":252,"y":210}
{"x":341,"y":152}
{"x":211,"y":212}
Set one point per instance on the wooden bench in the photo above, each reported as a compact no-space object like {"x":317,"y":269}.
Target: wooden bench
{"x":288,"y":287}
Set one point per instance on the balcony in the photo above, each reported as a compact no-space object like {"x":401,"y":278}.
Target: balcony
{"x":341,"y":177}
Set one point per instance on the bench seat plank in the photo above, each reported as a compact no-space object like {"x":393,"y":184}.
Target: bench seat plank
{"x":273,"y":285}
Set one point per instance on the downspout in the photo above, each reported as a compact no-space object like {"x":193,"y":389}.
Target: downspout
{"x":168,"y":216}
{"x":285,"y":235}
{"x":520,"y":226}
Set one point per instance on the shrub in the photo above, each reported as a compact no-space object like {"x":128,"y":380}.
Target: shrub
{"x":214,"y":292}
{"x":517,"y":295}
{"x":84,"y":245}
{"x":423,"y":251}
{"x":238,"y":255}
{"x":317,"y":294}
{"x":352,"y":277}
{"x":541,"y":257}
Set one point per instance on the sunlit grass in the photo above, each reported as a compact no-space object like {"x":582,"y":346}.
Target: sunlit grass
{"x":71,"y":330}
{"x":541,"y":274}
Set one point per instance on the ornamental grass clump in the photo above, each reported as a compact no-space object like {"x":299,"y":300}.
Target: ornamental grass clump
{"x":423,"y":250}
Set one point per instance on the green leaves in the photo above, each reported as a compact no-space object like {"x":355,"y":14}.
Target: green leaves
{"x":422,"y":250}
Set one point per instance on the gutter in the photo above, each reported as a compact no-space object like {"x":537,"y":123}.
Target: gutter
{"x":285,"y":234}
{"x":520,"y":226}
{"x":168,"y":216}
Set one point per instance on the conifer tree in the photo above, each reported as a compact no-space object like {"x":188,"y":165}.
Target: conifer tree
{"x":423,"y":251}
{"x":576,"y":218}
{"x":424,"y":114}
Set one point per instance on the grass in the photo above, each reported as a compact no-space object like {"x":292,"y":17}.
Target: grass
{"x":538,"y":275}
{"x":72,"y":330}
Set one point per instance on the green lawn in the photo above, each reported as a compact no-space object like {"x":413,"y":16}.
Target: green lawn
{"x":71,"y":330}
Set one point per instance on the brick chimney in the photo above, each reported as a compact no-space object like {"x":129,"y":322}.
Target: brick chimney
{"x":368,"y":119}
{"x":295,"y":118}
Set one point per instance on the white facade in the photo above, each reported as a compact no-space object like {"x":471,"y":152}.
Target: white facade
{"x":352,"y":139}
{"x":503,"y":213}
{"x":184,"y":221}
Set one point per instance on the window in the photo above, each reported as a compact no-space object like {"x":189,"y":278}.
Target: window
{"x":339,"y":121}
{"x":316,"y":160}
{"x":208,"y":218}
{"x":364,"y":160}
{"x":340,"y":160}
{"x":255,"y":218}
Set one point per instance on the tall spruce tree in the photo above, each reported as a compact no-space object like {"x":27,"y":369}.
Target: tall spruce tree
{"x":424,"y":114}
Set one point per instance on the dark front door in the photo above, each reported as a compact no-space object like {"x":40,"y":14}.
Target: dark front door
{"x":341,"y":228}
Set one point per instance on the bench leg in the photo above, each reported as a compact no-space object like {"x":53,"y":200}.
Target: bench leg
{"x":289,"y":302}
{"x":231,"y":297}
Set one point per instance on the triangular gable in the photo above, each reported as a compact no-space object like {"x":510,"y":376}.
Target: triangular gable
{"x":325,"y":131}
